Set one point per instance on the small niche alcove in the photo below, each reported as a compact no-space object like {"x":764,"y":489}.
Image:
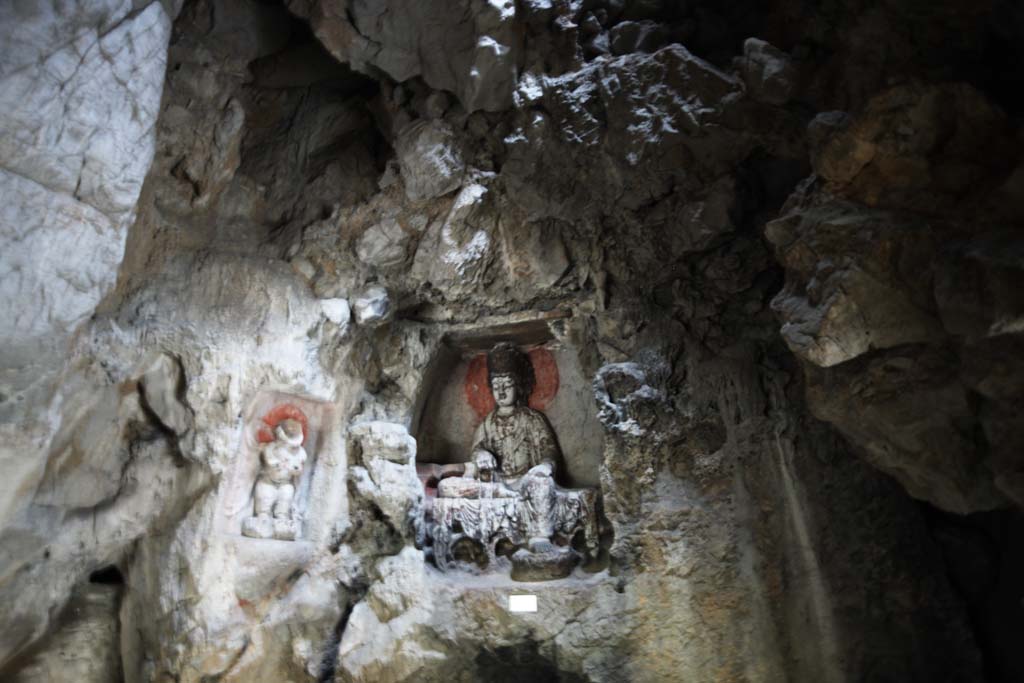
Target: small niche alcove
{"x":456,"y":397}
{"x":311,"y":487}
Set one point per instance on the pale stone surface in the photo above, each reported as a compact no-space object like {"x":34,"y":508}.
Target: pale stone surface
{"x":384,"y":244}
{"x":387,"y":474}
{"x":385,"y":440}
{"x":81,"y":122}
{"x":373,"y":306}
{"x":79,"y":96}
{"x":430,"y":159}
{"x":338,"y":312}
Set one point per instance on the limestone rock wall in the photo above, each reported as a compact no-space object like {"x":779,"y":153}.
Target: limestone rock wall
{"x":80,"y":89}
{"x":787,"y":262}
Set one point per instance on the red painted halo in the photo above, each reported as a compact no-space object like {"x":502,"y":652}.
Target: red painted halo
{"x":285,"y":411}
{"x":478,"y":391}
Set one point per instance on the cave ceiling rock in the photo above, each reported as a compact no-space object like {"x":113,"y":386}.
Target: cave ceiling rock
{"x":589,"y":133}
{"x":908,"y":413}
{"x":855,"y":284}
{"x":471,"y":49}
{"x":768,"y":72}
{"x":922,"y":148}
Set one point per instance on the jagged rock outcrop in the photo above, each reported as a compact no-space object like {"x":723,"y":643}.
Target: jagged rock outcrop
{"x":886,"y":300}
{"x":471,"y":49}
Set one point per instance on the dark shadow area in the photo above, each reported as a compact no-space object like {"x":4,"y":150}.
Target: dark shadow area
{"x":109,"y":576}
{"x":984,"y":555}
{"x":519,"y":663}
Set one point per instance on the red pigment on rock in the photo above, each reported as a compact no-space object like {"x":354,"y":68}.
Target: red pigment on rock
{"x":284,"y":411}
{"x":545,"y":372}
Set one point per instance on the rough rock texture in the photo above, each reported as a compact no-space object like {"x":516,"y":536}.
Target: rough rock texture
{"x":903,"y":281}
{"x":79,"y":96}
{"x":781,"y":239}
{"x":470,"y":49}
{"x":80,"y":88}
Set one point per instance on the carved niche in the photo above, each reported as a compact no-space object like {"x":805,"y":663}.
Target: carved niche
{"x":504,"y":503}
{"x":275,"y":513}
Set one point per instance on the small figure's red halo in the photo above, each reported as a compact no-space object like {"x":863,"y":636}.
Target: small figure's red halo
{"x":284,"y":411}
{"x":545,"y":387}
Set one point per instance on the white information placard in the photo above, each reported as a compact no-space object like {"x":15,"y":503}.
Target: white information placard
{"x":522,"y":603}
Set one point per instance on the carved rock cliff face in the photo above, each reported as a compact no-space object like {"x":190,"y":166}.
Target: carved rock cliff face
{"x":780,"y":242}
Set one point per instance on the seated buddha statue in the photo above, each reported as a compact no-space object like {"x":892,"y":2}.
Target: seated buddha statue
{"x":514,"y":452}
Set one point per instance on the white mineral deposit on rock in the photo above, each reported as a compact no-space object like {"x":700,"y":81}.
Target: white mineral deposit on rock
{"x":373,"y":306}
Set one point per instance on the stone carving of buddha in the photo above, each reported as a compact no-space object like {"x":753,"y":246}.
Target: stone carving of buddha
{"x":281,"y":463}
{"x":515,"y":444}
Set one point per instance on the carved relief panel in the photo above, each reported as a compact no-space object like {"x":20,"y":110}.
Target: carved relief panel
{"x":273,"y":489}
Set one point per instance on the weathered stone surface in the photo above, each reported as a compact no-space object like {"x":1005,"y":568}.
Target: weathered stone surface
{"x":588,"y":132}
{"x":86,"y":644}
{"x":913,"y":418}
{"x":373,"y":306}
{"x":79,"y":97}
{"x":533,"y":253}
{"x":383,"y":244}
{"x":918,"y":148}
{"x":338,"y":312}
{"x":385,"y":440}
{"x":430,"y":160}
{"x":456,"y":250}
{"x":860,"y":285}
{"x":80,"y":91}
{"x":471,"y":52}
{"x":897,"y":302}
{"x":608,"y":207}
{"x":768,"y":72}
{"x":636,"y":36}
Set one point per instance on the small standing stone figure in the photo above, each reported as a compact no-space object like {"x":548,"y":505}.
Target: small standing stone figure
{"x":281,"y":463}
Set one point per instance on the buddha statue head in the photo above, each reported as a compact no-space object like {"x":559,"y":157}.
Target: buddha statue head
{"x":289,"y":431}
{"x":510,"y":375}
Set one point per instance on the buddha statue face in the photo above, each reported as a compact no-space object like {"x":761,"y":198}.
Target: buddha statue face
{"x":511,"y":376}
{"x":289,"y":431}
{"x":504,"y":390}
